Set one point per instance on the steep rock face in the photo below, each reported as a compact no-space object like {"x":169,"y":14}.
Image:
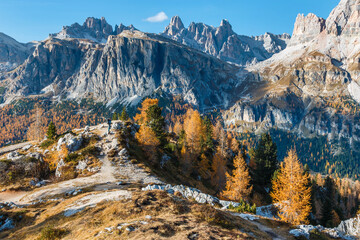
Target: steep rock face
{"x":130,"y":65}
{"x":224,"y":43}
{"x":137,"y":66}
{"x":320,"y":67}
{"x":339,"y":17}
{"x":52,"y":63}
{"x":12,"y":53}
{"x":94,"y":29}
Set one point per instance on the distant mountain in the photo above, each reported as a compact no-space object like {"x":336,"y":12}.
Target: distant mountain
{"x":12,"y":53}
{"x":130,"y":66}
{"x":222,"y":42}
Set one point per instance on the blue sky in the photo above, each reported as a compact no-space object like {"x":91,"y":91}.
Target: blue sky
{"x":27,"y":20}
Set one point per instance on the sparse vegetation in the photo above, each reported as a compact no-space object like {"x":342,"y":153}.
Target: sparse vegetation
{"x":52,"y":233}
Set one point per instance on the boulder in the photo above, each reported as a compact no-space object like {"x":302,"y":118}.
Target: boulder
{"x":13,"y":155}
{"x":350,"y":226}
{"x":81,"y":165}
{"x":35,"y":155}
{"x":72,"y":143}
{"x":27,"y":147}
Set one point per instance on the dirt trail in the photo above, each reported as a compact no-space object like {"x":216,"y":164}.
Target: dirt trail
{"x":13,"y":147}
{"x":105,"y":175}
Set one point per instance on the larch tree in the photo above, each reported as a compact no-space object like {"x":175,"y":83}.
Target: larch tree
{"x":290,"y":191}
{"x":149,"y":141}
{"x":238,"y":184}
{"x":204,"y":167}
{"x":218,"y":177}
{"x":193,"y":130}
{"x":141,"y":117}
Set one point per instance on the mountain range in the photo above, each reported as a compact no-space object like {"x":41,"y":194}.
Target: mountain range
{"x":306,"y":84}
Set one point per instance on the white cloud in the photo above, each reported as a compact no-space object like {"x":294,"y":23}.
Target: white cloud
{"x":160,"y":17}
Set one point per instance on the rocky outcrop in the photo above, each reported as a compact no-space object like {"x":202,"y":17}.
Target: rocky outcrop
{"x":306,"y":28}
{"x":350,"y":227}
{"x":344,"y":16}
{"x":72,"y":143}
{"x":222,"y":42}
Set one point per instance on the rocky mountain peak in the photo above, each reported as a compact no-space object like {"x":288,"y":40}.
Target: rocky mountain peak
{"x":306,"y":28}
{"x":98,"y":25}
{"x":225,"y":28}
{"x":345,"y":16}
{"x":119,"y":29}
{"x":176,"y":22}
{"x":175,"y":26}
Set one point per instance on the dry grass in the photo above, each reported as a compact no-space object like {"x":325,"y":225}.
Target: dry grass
{"x":172,"y":217}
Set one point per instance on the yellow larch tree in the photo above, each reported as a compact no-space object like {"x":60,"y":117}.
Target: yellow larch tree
{"x":291,"y":191}
{"x":204,"y":167}
{"x":238,"y":184}
{"x":149,"y":142}
{"x":141,"y":117}
{"x":218,"y":177}
{"x":193,"y":130}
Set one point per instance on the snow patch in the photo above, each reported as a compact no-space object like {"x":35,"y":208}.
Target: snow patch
{"x":132,"y":101}
{"x":112,"y":102}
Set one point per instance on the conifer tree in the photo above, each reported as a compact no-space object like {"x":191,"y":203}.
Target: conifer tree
{"x":208,"y":144}
{"x":156,"y":122}
{"x":124,"y":115}
{"x":218,"y":177}
{"x":141,"y":117}
{"x":327,"y":209}
{"x":51,"y":131}
{"x":147,"y":138}
{"x":193,"y":129}
{"x":204,"y":167}
{"x":265,"y":159}
{"x":238,"y":184}
{"x":291,"y":191}
{"x":114,"y":116}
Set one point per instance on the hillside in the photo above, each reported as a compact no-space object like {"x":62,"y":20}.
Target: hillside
{"x":107,"y":199}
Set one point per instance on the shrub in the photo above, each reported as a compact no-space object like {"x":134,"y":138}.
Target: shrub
{"x":90,"y":150}
{"x":73,"y":158}
{"x":244,"y":207}
{"x":47,"y":143}
{"x":52,"y":233}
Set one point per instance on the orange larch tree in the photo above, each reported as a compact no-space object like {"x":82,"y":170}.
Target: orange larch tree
{"x":291,"y":191}
{"x":238,"y":184}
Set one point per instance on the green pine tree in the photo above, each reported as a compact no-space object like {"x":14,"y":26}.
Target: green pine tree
{"x":51,"y":131}
{"x":115,"y":116}
{"x":124,"y":115}
{"x":156,"y":122}
{"x":207,"y":142}
{"x":328,"y":206}
{"x":265,"y":159}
